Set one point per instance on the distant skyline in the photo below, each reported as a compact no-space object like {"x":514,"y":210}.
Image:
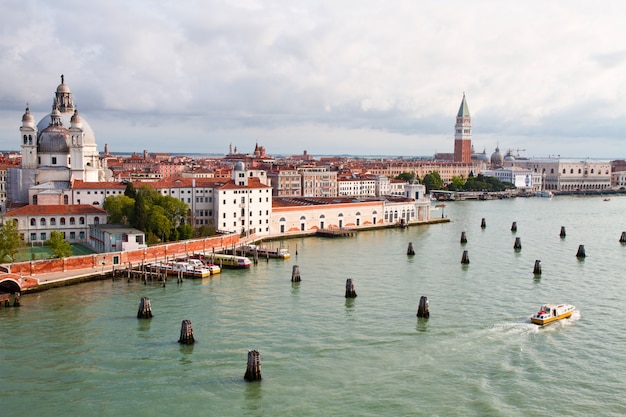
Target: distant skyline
{"x":348,"y":77}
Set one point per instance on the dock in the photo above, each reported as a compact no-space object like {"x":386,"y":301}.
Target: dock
{"x":335,"y":232}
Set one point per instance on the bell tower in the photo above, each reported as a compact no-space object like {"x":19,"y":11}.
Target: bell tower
{"x":463,"y":134}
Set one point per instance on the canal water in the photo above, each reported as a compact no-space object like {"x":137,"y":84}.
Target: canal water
{"x":81,"y":350}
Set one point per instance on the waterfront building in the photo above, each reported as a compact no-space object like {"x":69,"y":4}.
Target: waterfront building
{"x":523,"y":179}
{"x":308,"y":214}
{"x":36,"y":222}
{"x":463,"y":134}
{"x":568,"y":175}
{"x":355,"y":185}
{"x":61,"y":147}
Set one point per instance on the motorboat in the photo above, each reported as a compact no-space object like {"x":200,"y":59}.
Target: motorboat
{"x":549,"y":313}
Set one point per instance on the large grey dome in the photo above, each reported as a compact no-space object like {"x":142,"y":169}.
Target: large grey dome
{"x":89,"y":137}
{"x":54,"y":139}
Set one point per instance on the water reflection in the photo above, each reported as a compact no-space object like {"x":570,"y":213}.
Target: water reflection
{"x":422,"y":325}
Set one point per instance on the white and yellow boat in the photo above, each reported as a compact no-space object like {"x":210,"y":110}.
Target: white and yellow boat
{"x":552,"y":312}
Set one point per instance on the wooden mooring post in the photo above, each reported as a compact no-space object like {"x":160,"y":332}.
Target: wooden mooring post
{"x":350,"y":291}
{"x":514,"y":227}
{"x":483,"y":223}
{"x":463,"y":238}
{"x":422,"y":309}
{"x":186,"y":333}
{"x":465,"y":258}
{"x":622,"y":238}
{"x":145,"y":310}
{"x":518,"y":244}
{"x":410,"y":251}
{"x":581,"y":252}
{"x":537,"y":268}
{"x":562,"y":234}
{"x":253,"y":370}
{"x":295,"y":274}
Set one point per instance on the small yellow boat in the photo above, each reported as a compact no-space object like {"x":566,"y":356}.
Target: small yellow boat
{"x":552,"y":312}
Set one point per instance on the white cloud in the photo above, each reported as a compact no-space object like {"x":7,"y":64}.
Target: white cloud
{"x":377,"y":77}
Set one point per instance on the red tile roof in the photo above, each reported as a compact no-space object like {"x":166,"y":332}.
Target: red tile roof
{"x":58,"y":209}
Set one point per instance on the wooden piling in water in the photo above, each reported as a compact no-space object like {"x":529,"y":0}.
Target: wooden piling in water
{"x":463,"y":238}
{"x":145,"y":310}
{"x":465,"y":258}
{"x":562,"y":234}
{"x":483,"y":223}
{"x":186,"y":333}
{"x":253,"y":370}
{"x":622,"y":238}
{"x":295,"y":274}
{"x":581,"y":251}
{"x":410,"y":251}
{"x":518,"y":244}
{"x":537,"y":268}
{"x":422,"y":309}
{"x":350,"y":291}
{"x":514,"y":227}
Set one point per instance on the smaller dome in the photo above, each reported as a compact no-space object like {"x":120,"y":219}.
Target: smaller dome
{"x":27,"y":116}
{"x":239,"y":166}
{"x":496,"y":157}
{"x":54,"y":139}
{"x":63,"y":88}
{"x":76,"y":118}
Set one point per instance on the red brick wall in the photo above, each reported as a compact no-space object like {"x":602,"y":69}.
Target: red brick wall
{"x":152,"y":253}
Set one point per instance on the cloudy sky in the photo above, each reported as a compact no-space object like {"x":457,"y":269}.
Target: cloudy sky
{"x":330,"y":77}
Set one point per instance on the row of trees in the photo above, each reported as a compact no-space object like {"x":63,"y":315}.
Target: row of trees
{"x":161,"y":218}
{"x":433,"y":181}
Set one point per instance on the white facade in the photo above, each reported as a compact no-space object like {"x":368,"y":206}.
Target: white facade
{"x":569,"y":175}
{"x":523,"y":179}
{"x":357,"y":187}
{"x":116,"y":238}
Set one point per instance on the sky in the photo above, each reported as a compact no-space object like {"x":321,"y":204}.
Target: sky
{"x":326,"y":76}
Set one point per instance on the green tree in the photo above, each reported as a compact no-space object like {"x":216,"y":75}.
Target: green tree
{"x":204,"y":231}
{"x":120,"y":209}
{"x":456,"y":183}
{"x":433,"y":181}
{"x":185,"y":231}
{"x":130,"y":191}
{"x":57,"y":244}
{"x":10,"y":241}
{"x":406,"y":176}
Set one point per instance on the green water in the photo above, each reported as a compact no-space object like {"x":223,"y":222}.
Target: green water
{"x":81,"y":350}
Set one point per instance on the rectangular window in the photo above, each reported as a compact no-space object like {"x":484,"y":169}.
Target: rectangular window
{"x":54,"y":160}
{"x":43,"y":235}
{"x":33,"y":236}
{"x":72,"y":235}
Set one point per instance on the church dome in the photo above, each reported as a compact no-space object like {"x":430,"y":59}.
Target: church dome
{"x":63,"y":88}
{"x":89,"y":138}
{"x":28,"y":118}
{"x":496,"y":157}
{"x":54,"y":139}
{"x":240,"y":166}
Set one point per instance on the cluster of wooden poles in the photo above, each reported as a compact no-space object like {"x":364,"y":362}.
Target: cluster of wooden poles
{"x":253,"y":370}
{"x":517,"y":246}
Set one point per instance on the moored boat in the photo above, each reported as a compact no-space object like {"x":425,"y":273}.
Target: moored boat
{"x":549,"y":313}
{"x":229,"y":261}
{"x":280,"y":253}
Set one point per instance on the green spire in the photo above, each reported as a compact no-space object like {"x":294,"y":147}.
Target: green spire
{"x":464,"y":109}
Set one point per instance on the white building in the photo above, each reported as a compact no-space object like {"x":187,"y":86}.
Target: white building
{"x":568,"y":175}
{"x":523,"y":179}
{"x":115,"y":238}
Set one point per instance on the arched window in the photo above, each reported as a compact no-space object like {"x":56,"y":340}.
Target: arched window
{"x":563,"y":170}
{"x":96,"y":220}
{"x":66,"y":199}
{"x":62,"y":221}
{"x":580,"y":171}
{"x":42,"y":221}
{"x":53,"y":221}
{"x":33,"y":222}
{"x":25,"y":139}
{"x":72,"y":221}
{"x":302,"y":217}
{"x":81,"y":220}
